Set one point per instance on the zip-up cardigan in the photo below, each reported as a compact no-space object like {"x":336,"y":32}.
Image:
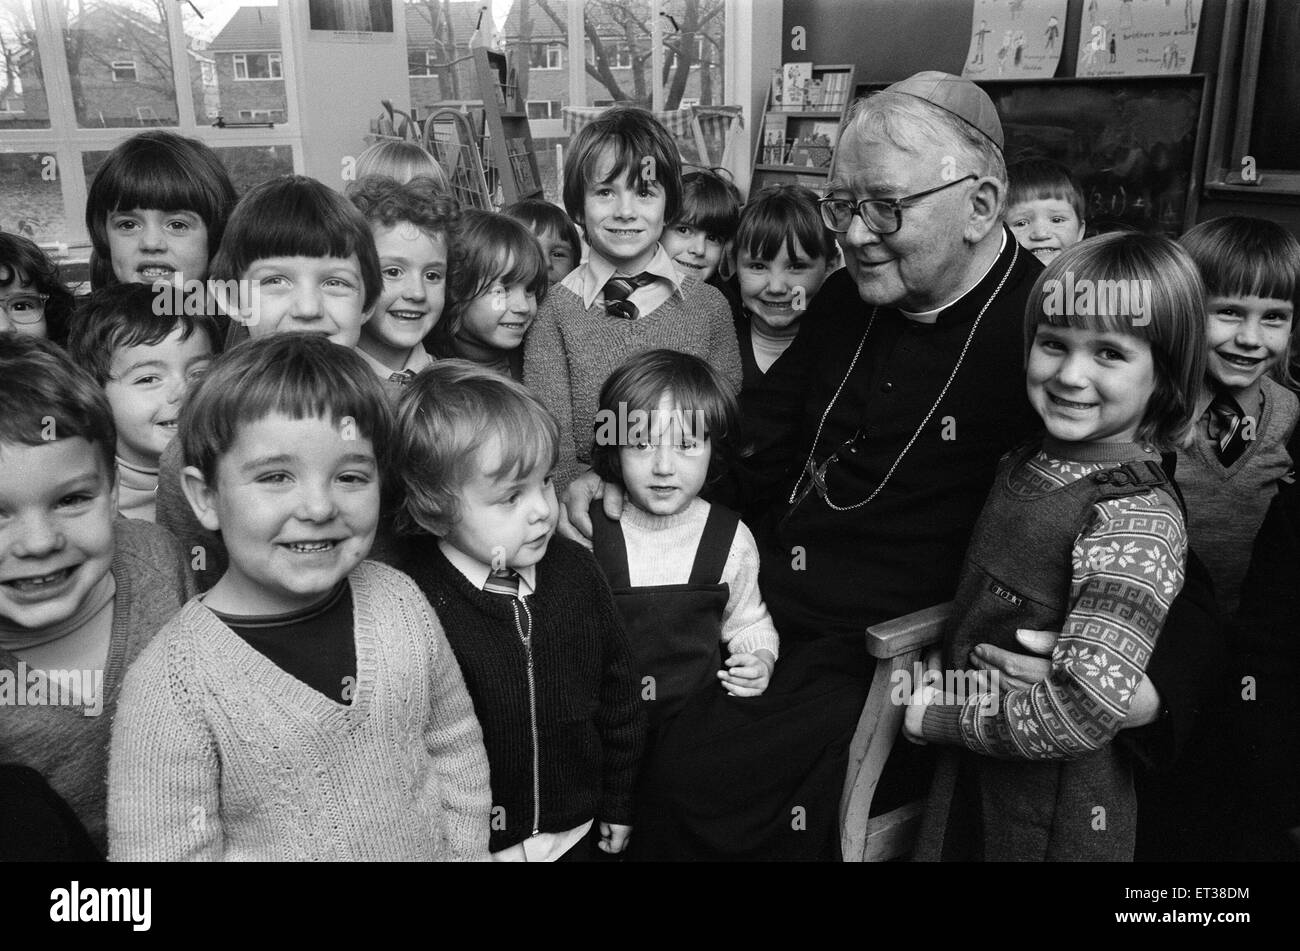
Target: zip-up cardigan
{"x":561,"y":718}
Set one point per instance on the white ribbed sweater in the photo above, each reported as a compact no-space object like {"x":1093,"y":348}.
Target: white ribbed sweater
{"x":219,"y":754}
{"x":661,"y":549}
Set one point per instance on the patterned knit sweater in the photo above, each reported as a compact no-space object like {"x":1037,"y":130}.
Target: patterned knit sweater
{"x":561,"y":717}
{"x":660,"y":550}
{"x":64,"y":744}
{"x":1226,"y":507}
{"x":1128,"y":563}
{"x":570,"y":351}
{"x":219,"y":754}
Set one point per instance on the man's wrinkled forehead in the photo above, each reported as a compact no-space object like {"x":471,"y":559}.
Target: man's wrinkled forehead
{"x":868,"y":164}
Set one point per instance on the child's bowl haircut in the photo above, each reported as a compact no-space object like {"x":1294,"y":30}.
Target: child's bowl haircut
{"x":46,"y":397}
{"x":297,"y":216}
{"x":163,"y":170}
{"x":1172,"y":317}
{"x":123,"y":315}
{"x":298,"y":375}
{"x":699,"y":393}
{"x":783,"y":215}
{"x":449,"y":412}
{"x":642,"y":151}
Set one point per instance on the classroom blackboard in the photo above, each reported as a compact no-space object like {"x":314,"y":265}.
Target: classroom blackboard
{"x":1136,"y":145}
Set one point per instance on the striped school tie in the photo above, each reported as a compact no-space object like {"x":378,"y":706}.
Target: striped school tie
{"x":1227,"y":428}
{"x":503,"y":581}
{"x":618,"y":289}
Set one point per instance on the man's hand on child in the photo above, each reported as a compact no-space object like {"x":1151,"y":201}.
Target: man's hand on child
{"x":575,"y":520}
{"x":613,"y":837}
{"x":747,"y":675}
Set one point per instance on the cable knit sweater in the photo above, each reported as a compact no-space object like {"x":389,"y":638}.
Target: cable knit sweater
{"x":62,"y":743}
{"x":1226,"y":507}
{"x":571,"y":350}
{"x":587,"y":733}
{"x":660,"y":550}
{"x":219,"y":754}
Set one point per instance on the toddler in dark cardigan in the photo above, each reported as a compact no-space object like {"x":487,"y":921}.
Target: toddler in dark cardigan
{"x":529,"y":615}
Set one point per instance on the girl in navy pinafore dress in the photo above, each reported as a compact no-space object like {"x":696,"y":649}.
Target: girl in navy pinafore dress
{"x":684,"y":572}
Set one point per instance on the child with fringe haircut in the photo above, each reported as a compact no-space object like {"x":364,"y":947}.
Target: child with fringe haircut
{"x":82,"y":592}
{"x":1082,"y":533}
{"x":157,"y":210}
{"x":296,"y":256}
{"x":684,"y":572}
{"x":146,"y":364}
{"x":412,"y":226}
{"x":555,"y":232}
{"x":308,"y":707}
{"x":622,"y":184}
{"x":1045,"y":207}
{"x":698,"y":240}
{"x":1246,"y":413}
{"x":33,"y":299}
{"x":498,"y":276}
{"x":531,"y":619}
{"x":784,"y":253}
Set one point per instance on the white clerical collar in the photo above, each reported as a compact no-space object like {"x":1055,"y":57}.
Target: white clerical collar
{"x":932,"y":316}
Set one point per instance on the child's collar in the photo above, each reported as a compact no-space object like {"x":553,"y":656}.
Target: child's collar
{"x":596,"y":272}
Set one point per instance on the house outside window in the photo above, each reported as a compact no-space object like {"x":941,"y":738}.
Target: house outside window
{"x":123,"y":70}
{"x":544,"y":109}
{"x":258,"y":66}
{"x":617,"y":53}
{"x":545,"y":56}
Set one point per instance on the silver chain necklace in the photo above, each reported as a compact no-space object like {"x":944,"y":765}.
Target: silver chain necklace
{"x":818,"y":477}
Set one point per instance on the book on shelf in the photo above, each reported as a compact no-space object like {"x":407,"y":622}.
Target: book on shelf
{"x":773,"y":152}
{"x":795,"y":80}
{"x":812,"y":149}
{"x":834,"y":90}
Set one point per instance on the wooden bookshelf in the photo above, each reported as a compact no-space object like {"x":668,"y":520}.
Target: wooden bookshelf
{"x":802,"y":117}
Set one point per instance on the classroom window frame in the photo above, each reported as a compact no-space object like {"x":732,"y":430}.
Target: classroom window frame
{"x":66,"y":142}
{"x":1232,"y":126}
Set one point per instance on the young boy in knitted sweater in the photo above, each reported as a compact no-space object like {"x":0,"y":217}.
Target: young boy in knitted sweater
{"x":308,"y":706}
{"x":81,"y":593}
{"x":622,"y":183}
{"x":529,"y":615}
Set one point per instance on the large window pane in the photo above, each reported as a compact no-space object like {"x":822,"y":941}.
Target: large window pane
{"x":119,"y":62}
{"x":246,"y":165}
{"x":31,"y":202}
{"x":236,"y":64}
{"x":22,"y":86}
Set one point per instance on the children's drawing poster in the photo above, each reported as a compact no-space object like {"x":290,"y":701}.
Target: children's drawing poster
{"x":1137,"y":37}
{"x":1015,"y":39}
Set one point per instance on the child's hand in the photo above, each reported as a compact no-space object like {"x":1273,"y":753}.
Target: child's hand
{"x":915,"y":715}
{"x":613,"y":837}
{"x":747,"y":675}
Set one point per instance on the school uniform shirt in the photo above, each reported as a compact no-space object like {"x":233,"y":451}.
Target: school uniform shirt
{"x":416,"y":360}
{"x":545,"y":846}
{"x":574,"y":346}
